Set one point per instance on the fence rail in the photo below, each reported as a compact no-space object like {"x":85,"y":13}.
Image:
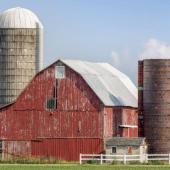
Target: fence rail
{"x":101,"y":158}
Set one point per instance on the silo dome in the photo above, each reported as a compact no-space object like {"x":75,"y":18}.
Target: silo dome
{"x":21,"y":51}
{"x":19,"y":18}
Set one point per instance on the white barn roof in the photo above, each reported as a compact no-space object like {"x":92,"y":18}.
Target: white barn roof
{"x":111,"y":86}
{"x":19,"y":18}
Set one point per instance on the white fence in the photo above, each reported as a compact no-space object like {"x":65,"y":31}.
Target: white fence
{"x":101,"y":158}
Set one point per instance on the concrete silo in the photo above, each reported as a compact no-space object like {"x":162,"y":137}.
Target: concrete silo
{"x":154,"y":92}
{"x":21,"y":51}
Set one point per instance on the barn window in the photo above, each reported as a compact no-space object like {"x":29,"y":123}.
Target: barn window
{"x":60,"y":72}
{"x":50,"y":104}
{"x":113,"y":149}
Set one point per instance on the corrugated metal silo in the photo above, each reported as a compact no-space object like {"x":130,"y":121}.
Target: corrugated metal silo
{"x":21,"y":51}
{"x":156,"y":104}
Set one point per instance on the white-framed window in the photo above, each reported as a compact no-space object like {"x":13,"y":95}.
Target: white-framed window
{"x":60,"y":72}
{"x":113,"y":149}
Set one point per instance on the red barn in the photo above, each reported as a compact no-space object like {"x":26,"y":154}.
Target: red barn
{"x":70,"y":107}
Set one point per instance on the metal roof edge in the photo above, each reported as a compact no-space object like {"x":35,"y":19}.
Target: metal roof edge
{"x":4,"y":106}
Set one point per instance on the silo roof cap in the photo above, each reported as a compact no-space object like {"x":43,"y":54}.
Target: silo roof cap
{"x":19,"y":18}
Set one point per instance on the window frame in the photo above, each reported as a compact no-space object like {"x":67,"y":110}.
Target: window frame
{"x":115,"y":149}
{"x":61,"y":70}
{"x":46,"y":104}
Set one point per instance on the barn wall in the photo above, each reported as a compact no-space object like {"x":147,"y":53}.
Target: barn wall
{"x":129,"y":132}
{"x":79,"y":122}
{"x":15,"y":149}
{"x":66,"y":149}
{"x":27,"y":125}
{"x":59,"y":148}
{"x":108,"y":122}
{"x":78,"y":112}
{"x":116,"y":116}
{"x":75,"y":126}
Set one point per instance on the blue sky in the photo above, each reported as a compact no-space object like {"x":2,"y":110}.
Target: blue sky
{"x":114,"y":31}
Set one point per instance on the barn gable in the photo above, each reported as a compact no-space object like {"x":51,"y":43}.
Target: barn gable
{"x":109,"y":85}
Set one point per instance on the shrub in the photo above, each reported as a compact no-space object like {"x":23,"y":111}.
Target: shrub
{"x":116,"y":162}
{"x":156,"y":162}
{"x":134,"y":162}
{"x":92,"y":162}
{"x":34,"y":160}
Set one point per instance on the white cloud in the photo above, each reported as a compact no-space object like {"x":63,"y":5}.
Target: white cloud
{"x":124,"y":60}
{"x":115,"y":58}
{"x":155,"y":49}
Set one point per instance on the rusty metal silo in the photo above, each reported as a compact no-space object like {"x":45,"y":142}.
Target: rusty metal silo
{"x":21,"y":51}
{"x":156,"y":104}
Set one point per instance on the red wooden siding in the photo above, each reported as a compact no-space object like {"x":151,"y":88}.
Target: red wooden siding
{"x":16,"y":149}
{"x":129,"y":116}
{"x":78,"y":125}
{"x":125,"y":116}
{"x":117,"y":120}
{"x":62,"y":148}
{"x":129,"y":132}
{"x":27,"y":125}
{"x":77,"y":115}
{"x":66,"y":149}
{"x":108,"y":122}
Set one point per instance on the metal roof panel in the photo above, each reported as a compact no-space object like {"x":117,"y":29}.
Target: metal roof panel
{"x":111,"y":86}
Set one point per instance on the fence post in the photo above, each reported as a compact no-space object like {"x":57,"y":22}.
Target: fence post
{"x":124,"y":159}
{"x":140,"y":158}
{"x":101,"y":159}
{"x":169,"y":158}
{"x":80,"y":159}
{"x":146,"y":158}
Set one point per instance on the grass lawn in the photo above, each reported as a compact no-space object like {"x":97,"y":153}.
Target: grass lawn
{"x":82,"y":167}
